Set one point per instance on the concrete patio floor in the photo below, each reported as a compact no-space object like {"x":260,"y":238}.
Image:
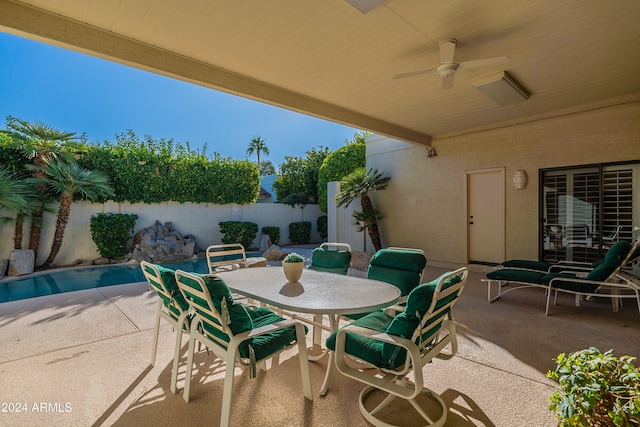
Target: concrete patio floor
{"x":82,"y":359}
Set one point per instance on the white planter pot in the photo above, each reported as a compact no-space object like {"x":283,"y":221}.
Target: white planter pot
{"x":293,"y":270}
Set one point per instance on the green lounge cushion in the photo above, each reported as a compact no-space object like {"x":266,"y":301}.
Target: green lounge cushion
{"x":332,"y":261}
{"x":526,"y":264}
{"x":512,"y":275}
{"x":612,"y":260}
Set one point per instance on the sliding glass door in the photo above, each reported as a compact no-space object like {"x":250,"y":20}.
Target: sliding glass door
{"x":584,"y":210}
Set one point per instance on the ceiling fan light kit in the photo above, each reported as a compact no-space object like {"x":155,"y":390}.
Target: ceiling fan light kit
{"x":501,"y":88}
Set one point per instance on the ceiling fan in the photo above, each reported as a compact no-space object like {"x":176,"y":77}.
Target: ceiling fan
{"x":448,"y":67}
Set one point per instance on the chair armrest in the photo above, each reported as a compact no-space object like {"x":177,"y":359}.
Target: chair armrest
{"x":394,"y":309}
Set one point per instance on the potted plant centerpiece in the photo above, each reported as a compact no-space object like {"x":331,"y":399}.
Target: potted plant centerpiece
{"x":292,"y":265}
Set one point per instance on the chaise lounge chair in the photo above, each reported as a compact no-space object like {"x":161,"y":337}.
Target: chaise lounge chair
{"x":602,"y":280}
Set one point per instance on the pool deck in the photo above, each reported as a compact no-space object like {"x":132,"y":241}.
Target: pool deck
{"x":82,"y":359}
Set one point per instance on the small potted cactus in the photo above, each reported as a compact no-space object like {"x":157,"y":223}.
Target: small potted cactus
{"x":293,"y":264}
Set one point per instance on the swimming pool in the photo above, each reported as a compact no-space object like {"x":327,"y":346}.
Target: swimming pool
{"x":76,"y":279}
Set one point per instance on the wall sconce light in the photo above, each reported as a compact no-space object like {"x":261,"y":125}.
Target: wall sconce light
{"x":431,"y":152}
{"x":520,"y":180}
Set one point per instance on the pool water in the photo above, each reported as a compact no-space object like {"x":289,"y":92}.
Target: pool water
{"x":76,"y":279}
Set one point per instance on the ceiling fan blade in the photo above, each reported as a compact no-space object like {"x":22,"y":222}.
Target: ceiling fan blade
{"x":485,"y":62}
{"x":447,"y":48}
{"x":447,"y":82}
{"x":414,"y":73}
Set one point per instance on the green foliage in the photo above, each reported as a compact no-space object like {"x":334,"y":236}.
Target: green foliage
{"x":273,"y":232}
{"x":243,"y":232}
{"x":337,"y":165}
{"x":15,"y":193}
{"x":111,"y":231}
{"x":267,"y":168}
{"x":297,"y":180}
{"x":293,"y":257}
{"x":322,"y":226}
{"x":300,"y":232}
{"x":152,"y":171}
{"x":360,"y":183}
{"x":596,"y":389}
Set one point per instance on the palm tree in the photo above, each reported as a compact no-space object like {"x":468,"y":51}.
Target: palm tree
{"x":358,"y":184}
{"x":19,"y":196}
{"x":40,"y":142}
{"x":68,"y":180}
{"x":257,"y":145}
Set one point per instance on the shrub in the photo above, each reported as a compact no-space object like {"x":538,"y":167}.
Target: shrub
{"x":156,"y":171}
{"x":596,"y":389}
{"x":300,"y":232}
{"x":111,"y":232}
{"x":273,"y":232}
{"x":243,"y":232}
{"x":293,"y":257}
{"x":322,"y":226}
{"x":337,"y":165}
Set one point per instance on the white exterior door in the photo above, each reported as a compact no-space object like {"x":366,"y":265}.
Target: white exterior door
{"x":486,"y":215}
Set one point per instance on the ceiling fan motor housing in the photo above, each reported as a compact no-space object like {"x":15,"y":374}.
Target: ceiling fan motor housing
{"x":447,"y":70}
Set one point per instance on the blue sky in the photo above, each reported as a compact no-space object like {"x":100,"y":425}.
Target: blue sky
{"x":73,"y":92}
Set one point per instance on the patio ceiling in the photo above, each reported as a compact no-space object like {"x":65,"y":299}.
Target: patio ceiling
{"x":327,"y":59}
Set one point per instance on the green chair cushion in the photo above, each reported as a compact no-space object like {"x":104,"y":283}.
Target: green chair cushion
{"x":420,"y":298}
{"x":332,"y":261}
{"x":511,"y":275}
{"x":243,"y":319}
{"x":523,"y":263}
{"x":364,"y":348}
{"x":268,"y":344}
{"x":612,"y":260}
{"x":401,"y":259}
{"x":401,"y":268}
{"x":418,"y":302}
{"x":177,"y":304}
{"x":386,"y":355}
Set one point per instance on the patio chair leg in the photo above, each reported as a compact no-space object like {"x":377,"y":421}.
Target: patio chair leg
{"x":176,"y":359}
{"x":187,"y":378}
{"x":156,"y":333}
{"x":225,"y":409}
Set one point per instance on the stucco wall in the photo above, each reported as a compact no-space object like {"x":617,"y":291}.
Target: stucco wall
{"x":425,"y":203}
{"x":200,"y":220}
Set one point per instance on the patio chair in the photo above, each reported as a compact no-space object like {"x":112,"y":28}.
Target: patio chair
{"x":401,"y":267}
{"x":241,"y":336}
{"x":400,"y":341}
{"x":172,"y":307}
{"x":226,"y":257}
{"x":332,"y":258}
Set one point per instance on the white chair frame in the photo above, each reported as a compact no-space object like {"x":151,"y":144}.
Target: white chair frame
{"x":394,"y":382}
{"x":229,"y":351}
{"x":220,"y":251}
{"x":162,"y":312}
